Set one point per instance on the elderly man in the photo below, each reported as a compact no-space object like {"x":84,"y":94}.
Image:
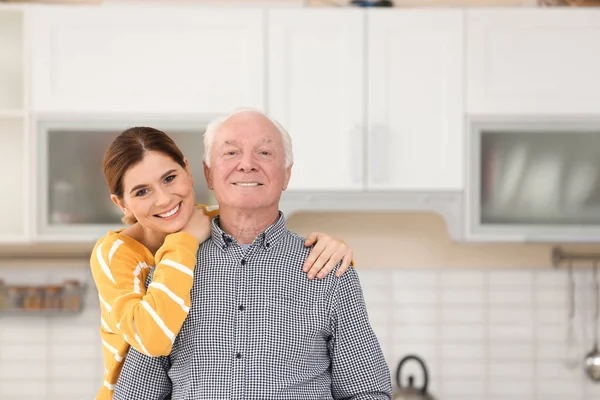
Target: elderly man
{"x":252,"y":333}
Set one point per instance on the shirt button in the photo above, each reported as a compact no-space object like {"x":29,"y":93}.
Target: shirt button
{"x":268,"y":244}
{"x":238,"y":355}
{"x":241,"y":308}
{"x":243,"y":262}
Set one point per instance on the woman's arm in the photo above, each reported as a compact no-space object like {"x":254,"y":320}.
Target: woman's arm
{"x":148,"y":319}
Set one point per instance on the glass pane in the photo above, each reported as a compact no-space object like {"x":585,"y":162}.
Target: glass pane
{"x":540,"y":177}
{"x":77,"y":192}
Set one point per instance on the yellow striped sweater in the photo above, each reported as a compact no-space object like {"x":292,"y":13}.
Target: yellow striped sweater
{"x":149,"y":319}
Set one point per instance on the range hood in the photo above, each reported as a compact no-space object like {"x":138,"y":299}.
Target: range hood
{"x":447,"y":204}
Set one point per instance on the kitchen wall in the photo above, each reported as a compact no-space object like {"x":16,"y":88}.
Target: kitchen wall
{"x":488,"y":332}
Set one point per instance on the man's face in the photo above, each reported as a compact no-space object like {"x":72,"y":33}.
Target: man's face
{"x":247,"y":163}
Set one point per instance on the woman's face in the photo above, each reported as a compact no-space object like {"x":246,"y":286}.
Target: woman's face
{"x":158,"y":192}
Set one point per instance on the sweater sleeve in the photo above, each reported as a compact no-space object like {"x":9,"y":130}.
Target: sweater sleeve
{"x":148,"y":319}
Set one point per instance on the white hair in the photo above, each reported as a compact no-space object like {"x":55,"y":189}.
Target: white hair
{"x":215,"y":125}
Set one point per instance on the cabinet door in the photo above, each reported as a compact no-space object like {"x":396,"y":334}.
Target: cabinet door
{"x":535,"y":180}
{"x":316,"y":91}
{"x":13,"y":201}
{"x":415,"y":110}
{"x":147,"y":59}
{"x":528,"y":61}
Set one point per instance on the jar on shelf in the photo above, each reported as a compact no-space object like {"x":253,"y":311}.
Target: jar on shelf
{"x":32,"y":300}
{"x":15,"y":297}
{"x":52,"y":297}
{"x":71,"y":296}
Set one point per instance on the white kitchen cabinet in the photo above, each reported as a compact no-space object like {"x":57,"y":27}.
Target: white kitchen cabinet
{"x":533,"y":61}
{"x":14,"y":199}
{"x":372,"y":99}
{"x":415,"y":109}
{"x":316,"y":91}
{"x":146,"y":59}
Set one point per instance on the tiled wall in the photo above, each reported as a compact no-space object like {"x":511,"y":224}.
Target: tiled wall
{"x":485,"y":334}
{"x":488,"y":334}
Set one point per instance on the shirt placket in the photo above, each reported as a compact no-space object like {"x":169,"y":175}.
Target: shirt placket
{"x":241,"y":324}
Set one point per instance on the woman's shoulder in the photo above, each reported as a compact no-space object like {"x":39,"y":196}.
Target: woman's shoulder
{"x":123,"y":240}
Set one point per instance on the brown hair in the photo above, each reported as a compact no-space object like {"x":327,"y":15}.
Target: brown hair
{"x":128,"y":149}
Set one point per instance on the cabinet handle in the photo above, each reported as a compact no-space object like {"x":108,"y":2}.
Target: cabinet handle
{"x":379,"y":153}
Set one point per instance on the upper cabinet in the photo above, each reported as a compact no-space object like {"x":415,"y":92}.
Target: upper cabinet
{"x":371,"y":99}
{"x":146,"y":59}
{"x":533,"y":61}
{"x":316,"y":90}
{"x":415,"y":108}
{"x":535,"y":180}
{"x":15,"y":162}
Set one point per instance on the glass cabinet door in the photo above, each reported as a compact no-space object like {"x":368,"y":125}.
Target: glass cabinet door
{"x":75,"y":195}
{"x":532,"y":174}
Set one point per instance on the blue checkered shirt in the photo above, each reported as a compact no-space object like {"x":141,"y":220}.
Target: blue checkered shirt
{"x":258,"y":328}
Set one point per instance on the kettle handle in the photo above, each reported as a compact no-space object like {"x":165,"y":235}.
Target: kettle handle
{"x":425,"y":373}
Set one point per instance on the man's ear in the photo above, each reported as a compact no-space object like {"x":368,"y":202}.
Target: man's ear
{"x":287,"y":176}
{"x":119,"y":203}
{"x":209,"y":182}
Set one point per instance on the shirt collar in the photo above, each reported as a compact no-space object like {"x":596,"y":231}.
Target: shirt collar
{"x":266,"y":239}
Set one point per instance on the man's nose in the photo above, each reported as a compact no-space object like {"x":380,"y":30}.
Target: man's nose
{"x":248,"y":163}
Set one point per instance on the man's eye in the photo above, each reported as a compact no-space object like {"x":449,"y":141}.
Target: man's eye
{"x":230,"y":153}
{"x":169,"y":178}
{"x":141,"y":192}
{"x":265,"y":153}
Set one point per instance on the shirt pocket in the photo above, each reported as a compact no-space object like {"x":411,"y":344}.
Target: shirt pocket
{"x":295,"y":329}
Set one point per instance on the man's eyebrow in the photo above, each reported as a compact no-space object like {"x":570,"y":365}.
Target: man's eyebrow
{"x":267,"y":140}
{"x":143,"y":185}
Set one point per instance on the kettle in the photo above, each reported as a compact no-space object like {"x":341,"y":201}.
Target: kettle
{"x":410,"y":392}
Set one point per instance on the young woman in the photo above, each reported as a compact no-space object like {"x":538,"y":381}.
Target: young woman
{"x":151,"y":183}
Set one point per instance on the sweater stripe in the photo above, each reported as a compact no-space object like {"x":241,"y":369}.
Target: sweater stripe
{"x":105,"y":325}
{"x":173,"y":296}
{"x":139,"y":340}
{"x":105,"y":304}
{"x":159,"y":321}
{"x":177,"y":266}
{"x":112,"y":350}
{"x":136,"y":276}
{"x":110,"y":386}
{"x":113,"y":249}
{"x":103,"y":264}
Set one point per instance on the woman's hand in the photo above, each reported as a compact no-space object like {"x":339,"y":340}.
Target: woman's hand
{"x":326,"y":254}
{"x":198,"y":225}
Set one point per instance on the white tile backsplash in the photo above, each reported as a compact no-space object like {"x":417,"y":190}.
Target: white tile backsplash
{"x":488,"y":334}
{"x":484,"y":334}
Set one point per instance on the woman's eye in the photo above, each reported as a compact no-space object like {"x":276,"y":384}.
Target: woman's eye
{"x":169,"y":178}
{"x":141,"y":192}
